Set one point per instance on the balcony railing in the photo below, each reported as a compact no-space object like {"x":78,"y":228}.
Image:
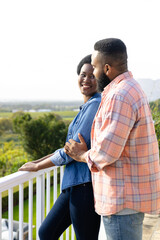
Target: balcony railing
{"x":19,"y":179}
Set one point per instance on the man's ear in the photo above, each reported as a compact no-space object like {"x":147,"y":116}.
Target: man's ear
{"x":107,"y":69}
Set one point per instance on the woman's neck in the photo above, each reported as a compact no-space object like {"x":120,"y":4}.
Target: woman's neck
{"x":86,"y":98}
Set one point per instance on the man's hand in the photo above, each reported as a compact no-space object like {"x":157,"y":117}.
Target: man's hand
{"x":76,"y":150}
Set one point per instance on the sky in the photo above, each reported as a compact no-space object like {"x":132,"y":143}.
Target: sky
{"x":42,"y":42}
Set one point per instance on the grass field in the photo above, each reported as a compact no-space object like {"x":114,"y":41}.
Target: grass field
{"x":67,"y":115}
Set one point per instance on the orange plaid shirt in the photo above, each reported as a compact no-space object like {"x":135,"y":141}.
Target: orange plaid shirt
{"x":124,"y":157}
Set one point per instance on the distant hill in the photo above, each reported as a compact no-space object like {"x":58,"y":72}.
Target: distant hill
{"x":151,"y":88}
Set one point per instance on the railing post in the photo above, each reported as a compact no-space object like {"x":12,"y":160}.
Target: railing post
{"x":43,"y":197}
{"x":72,"y":233}
{"x":55,"y":184}
{"x":67,"y":233}
{"x":48,"y":193}
{"x":61,"y":175}
{"x":0,"y":216}
{"x":21,"y":211}
{"x":39,"y":203}
{"x":10,"y":200}
{"x":30,"y":208}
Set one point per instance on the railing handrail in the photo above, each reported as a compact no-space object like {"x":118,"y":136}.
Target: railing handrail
{"x":20,"y":177}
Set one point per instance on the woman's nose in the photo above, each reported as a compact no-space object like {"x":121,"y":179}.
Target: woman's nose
{"x":86,"y":79}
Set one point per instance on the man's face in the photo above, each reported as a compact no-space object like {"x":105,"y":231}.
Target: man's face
{"x":98,"y":66}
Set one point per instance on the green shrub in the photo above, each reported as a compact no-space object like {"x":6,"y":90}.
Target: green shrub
{"x":41,"y":136}
{"x":11,"y":158}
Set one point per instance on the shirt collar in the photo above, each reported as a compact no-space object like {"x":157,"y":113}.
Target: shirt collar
{"x":96,"y":95}
{"x":116,"y":80}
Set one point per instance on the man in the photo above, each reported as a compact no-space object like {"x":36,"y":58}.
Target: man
{"x":124,"y":156}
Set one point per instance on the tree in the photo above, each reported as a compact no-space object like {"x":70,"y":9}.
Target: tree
{"x":41,"y":136}
{"x":19,"y":118}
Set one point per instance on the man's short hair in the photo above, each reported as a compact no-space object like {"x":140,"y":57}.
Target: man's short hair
{"x":85,"y":60}
{"x":113,"y":50}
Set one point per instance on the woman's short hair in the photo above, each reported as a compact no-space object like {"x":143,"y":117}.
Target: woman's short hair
{"x":85,"y":60}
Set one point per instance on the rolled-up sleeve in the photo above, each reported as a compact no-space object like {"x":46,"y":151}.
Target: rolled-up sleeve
{"x":56,"y":158}
{"x":60,"y":158}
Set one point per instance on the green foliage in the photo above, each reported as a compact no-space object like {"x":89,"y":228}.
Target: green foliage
{"x":1,"y":132}
{"x":19,"y":118}
{"x":156,"y":118}
{"x":5,"y":125}
{"x":155,"y":108}
{"x":41,"y":136}
{"x":9,"y":136}
{"x":11,"y":158}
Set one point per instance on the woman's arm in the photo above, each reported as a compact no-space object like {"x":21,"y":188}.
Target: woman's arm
{"x":35,"y":166}
{"x":43,"y":158}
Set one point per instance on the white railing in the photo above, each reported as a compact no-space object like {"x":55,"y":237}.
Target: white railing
{"x":18,"y":179}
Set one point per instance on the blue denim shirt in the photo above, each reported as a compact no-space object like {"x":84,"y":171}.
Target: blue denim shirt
{"x":76,"y":173}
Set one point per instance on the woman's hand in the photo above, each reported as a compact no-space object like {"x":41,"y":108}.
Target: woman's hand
{"x":37,"y":165}
{"x":29,"y":166}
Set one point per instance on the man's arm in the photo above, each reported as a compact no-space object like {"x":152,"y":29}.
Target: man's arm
{"x":76,"y":150}
{"x":79,"y":152}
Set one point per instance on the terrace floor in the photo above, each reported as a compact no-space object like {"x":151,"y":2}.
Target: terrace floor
{"x":151,"y":228}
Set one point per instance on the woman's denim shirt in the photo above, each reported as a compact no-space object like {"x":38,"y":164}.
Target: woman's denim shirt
{"x":76,"y":173}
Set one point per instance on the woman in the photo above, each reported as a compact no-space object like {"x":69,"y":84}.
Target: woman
{"x":75,"y":205}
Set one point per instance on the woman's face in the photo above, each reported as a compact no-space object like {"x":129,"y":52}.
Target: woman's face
{"x":86,"y":81}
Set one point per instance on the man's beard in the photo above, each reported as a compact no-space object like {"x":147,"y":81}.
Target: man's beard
{"x":102,"y":82}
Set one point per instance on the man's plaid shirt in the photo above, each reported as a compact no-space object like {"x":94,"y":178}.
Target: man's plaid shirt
{"x":124,"y":157}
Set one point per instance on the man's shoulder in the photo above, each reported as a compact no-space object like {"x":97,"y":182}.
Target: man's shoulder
{"x":130,"y":89}
{"x":127,"y":90}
